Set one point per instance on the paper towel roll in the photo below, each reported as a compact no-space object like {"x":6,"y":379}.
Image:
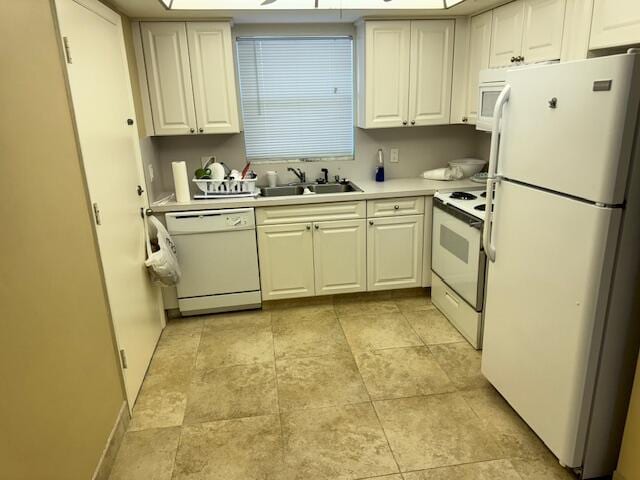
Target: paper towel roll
{"x":181,"y":181}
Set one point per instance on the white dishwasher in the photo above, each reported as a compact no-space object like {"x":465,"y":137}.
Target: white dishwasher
{"x":218,"y":257}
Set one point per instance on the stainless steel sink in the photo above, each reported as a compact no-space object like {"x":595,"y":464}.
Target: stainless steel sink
{"x":334,"y":188}
{"x":286,"y":190}
{"x":318,"y":188}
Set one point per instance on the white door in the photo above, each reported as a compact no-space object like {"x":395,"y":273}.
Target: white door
{"x":615,"y":23}
{"x":506,"y":34}
{"x":585,"y":132}
{"x":545,"y":297}
{"x":340,"y":257}
{"x":387,"y":73}
{"x":479,"y":49}
{"x":213,"y":77}
{"x":394,"y":252}
{"x":543,"y":26}
{"x":431,"y":69}
{"x":285,"y":253}
{"x":166,"y":57}
{"x":102,"y":103}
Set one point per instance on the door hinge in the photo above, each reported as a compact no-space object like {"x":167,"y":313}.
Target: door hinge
{"x":67,"y":49}
{"x":123,"y":358}
{"x":96,"y":213}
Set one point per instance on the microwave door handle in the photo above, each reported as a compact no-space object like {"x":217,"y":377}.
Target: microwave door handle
{"x":487,"y":233}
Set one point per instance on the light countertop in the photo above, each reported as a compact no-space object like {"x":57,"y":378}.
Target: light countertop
{"x":399,"y":187}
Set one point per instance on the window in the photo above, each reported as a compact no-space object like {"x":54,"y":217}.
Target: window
{"x":297,"y":97}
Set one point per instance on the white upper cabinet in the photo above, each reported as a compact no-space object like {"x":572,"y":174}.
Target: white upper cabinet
{"x":431,"y":69}
{"x":543,"y":26}
{"x":385,"y":82}
{"x":167,"y":65}
{"x":339,"y":252}
{"x":527,"y":31}
{"x":479,"y":50}
{"x":506,"y":34}
{"x":615,"y":23}
{"x":404,"y":72}
{"x":190,"y":76}
{"x":213,"y":77}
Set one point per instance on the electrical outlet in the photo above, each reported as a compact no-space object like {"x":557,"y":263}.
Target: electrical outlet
{"x":150,"y":169}
{"x":394,"y":155}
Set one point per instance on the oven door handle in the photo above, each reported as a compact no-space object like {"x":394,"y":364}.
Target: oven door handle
{"x":492,"y":178}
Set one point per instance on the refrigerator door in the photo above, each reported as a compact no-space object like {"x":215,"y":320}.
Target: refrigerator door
{"x":569,"y":127}
{"x":546,"y":295}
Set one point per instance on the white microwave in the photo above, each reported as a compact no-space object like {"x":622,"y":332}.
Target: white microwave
{"x":492,"y":81}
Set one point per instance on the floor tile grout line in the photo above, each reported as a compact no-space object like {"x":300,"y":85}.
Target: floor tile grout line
{"x":460,"y":465}
{"x":275,"y":374}
{"x":386,"y":437}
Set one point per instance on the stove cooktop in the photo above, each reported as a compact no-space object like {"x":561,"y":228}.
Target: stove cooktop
{"x":470,"y":200}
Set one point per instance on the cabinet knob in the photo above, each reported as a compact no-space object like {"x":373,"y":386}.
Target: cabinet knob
{"x":413,"y":122}
{"x":370,"y":222}
{"x":396,"y":207}
{"x":316,"y":226}
{"x":201,"y":130}
{"x":465,"y":119}
{"x":308,"y":227}
{"x":404,"y":123}
{"x":513,"y":59}
{"x":192,"y":130}
{"x":129,"y":121}
{"x":521,"y":58}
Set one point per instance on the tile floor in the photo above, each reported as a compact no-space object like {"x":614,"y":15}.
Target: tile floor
{"x":351,"y":387}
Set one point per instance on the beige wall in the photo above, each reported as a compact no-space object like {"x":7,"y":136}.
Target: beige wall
{"x":629,"y":463}
{"x":59,"y":377}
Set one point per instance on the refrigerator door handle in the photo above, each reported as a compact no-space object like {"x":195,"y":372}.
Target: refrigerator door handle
{"x":492,"y":179}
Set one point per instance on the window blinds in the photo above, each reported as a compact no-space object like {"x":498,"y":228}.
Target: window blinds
{"x":297,"y":97}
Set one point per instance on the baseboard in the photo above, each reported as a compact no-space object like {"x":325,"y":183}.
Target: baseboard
{"x":618,"y":476}
{"x":103,"y":470}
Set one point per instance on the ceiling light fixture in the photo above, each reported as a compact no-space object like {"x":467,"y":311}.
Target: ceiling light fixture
{"x":308,"y":4}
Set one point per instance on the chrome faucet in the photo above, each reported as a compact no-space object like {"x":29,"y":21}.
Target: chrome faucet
{"x":302,"y":176}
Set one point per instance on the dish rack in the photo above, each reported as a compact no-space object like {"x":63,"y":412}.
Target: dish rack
{"x":227,"y":188}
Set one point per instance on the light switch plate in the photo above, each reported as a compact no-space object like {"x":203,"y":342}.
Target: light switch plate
{"x":150,"y":169}
{"x":394,"y":155}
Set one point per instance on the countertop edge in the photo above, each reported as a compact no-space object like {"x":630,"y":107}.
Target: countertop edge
{"x":409,"y":187}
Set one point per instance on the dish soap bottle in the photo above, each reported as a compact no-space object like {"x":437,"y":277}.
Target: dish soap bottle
{"x":380,"y":167}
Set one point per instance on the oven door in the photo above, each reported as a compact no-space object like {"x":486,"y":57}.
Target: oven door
{"x":457,"y":256}
{"x":487,"y":97}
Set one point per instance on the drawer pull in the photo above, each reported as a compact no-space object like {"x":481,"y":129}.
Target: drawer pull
{"x":396,"y":207}
{"x":451,"y":299}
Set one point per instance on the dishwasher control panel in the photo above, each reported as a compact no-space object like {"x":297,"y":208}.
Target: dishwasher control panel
{"x":205,"y":221}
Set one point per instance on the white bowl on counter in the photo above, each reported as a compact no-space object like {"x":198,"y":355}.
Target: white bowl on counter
{"x":468,"y":166}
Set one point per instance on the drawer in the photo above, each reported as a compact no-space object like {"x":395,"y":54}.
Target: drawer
{"x":390,"y":207}
{"x":460,"y":314}
{"x":310,"y":213}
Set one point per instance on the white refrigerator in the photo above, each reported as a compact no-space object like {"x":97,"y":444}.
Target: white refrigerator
{"x":561,"y":318}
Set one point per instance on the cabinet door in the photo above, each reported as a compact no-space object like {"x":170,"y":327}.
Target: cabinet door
{"x":387,"y":73}
{"x":394,"y":252}
{"x":339,"y":252}
{"x":506,"y":33}
{"x":479,"y":49}
{"x":431,"y":68}
{"x":213,"y":77}
{"x":615,"y":23}
{"x":426,"y":247}
{"x":543,"y":26}
{"x":166,"y":57}
{"x":286,"y":261}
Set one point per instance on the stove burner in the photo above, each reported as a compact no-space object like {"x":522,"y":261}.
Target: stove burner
{"x":462,"y":196}
{"x":482,"y":207}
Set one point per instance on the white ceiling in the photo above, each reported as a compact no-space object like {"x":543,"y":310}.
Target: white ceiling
{"x":154,"y":9}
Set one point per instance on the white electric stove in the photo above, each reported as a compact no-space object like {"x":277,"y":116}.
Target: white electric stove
{"x":458,"y":259}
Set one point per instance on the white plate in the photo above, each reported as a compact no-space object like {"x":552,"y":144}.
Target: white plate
{"x":217,"y":171}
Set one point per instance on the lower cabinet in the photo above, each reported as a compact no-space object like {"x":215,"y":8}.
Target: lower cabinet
{"x":394,"y":252}
{"x":306,"y":259}
{"x":339,"y":255}
{"x":286,"y":261}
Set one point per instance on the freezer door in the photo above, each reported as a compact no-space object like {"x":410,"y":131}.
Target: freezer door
{"x":568,"y":127}
{"x":546,"y":294}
